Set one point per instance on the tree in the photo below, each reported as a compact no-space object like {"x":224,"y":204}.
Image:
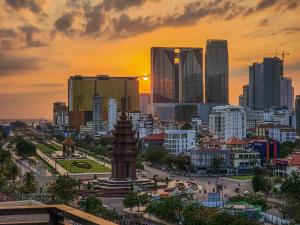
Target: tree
{"x":29,"y":184}
{"x":261,"y":180}
{"x":194,"y":213}
{"x":216,"y":164}
{"x":186,"y":126}
{"x":64,"y":189}
{"x":226,"y":218}
{"x":25,"y":149}
{"x":131,"y":200}
{"x":167,"y":180}
{"x":143,"y":199}
{"x":290,"y":189}
{"x":91,"y":205}
{"x":13,"y":172}
{"x":139,"y":163}
{"x":154,"y":155}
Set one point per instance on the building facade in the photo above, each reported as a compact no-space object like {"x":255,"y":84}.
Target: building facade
{"x":97,"y":113}
{"x":216,"y":71}
{"x":176,"y":75}
{"x":286,"y":93}
{"x":82,"y":89}
{"x":145,"y":103}
{"x":297,"y":111}
{"x":228,"y":122}
{"x":179,"y":141}
{"x":60,"y":114}
{"x":112,"y":114}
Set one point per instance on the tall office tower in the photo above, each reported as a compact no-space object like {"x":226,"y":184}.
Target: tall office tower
{"x":244,"y":98}
{"x":60,"y":114}
{"x":97,"y":113}
{"x":144,"y":103}
{"x":216,"y":71}
{"x":286,"y":93}
{"x":273,"y":72}
{"x":112,"y":113}
{"x":256,"y":86}
{"x":176,"y":75}
{"x":297,"y":109}
{"x":228,"y":122}
{"x":82,"y":89}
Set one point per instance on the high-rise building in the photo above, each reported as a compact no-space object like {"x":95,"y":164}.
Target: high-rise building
{"x":82,"y":89}
{"x":216,"y":71}
{"x":176,"y":75}
{"x":267,"y":87}
{"x":256,"y":86}
{"x":228,"y":122}
{"x":145,"y":103}
{"x":244,"y":98}
{"x":60,"y":114}
{"x":297,"y":109}
{"x":273,"y":72}
{"x":112,"y":113}
{"x":286,"y":93}
{"x":97,"y":113}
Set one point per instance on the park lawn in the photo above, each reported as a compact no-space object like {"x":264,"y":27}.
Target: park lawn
{"x":96,"y":167}
{"x":242,"y":177}
{"x":45,"y":149}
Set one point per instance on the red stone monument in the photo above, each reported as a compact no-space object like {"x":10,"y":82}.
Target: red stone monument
{"x":124,"y":151}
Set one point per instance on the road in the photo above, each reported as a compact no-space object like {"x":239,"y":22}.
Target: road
{"x":206,"y":183}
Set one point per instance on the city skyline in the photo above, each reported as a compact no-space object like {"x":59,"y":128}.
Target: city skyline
{"x":39,"y":52}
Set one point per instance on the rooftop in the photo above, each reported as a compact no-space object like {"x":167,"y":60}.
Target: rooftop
{"x":236,"y":141}
{"x":155,"y":137}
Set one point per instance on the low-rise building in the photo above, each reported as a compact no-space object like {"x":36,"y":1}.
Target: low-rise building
{"x":179,"y":141}
{"x":282,"y":133}
{"x":202,"y":158}
{"x":286,"y":166}
{"x":268,"y":149}
{"x":153,"y":141}
{"x":245,"y":160}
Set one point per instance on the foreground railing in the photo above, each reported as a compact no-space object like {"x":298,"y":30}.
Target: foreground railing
{"x":47,"y":215}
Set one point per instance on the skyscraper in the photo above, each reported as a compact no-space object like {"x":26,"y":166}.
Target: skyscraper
{"x":297,"y":109}
{"x":81,"y":91}
{"x":97,"y":113}
{"x":216,"y":71}
{"x":267,"y":86}
{"x":273,"y":72}
{"x":60,"y":114}
{"x":256,"y":86}
{"x":244,"y":98}
{"x":286,"y":93}
{"x":176,"y":75}
{"x":112,"y":113}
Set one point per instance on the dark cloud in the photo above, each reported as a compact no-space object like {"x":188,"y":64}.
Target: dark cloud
{"x":287,"y":30}
{"x":95,"y":20}
{"x":124,"y":26}
{"x":263,"y":23}
{"x":33,"y":5}
{"x":16,"y":65}
{"x":64,"y":23}
{"x":7,"y":33}
{"x":119,"y":5}
{"x":34,"y":36}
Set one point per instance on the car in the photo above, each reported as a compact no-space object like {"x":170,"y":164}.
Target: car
{"x":173,"y":175}
{"x":246,"y":192}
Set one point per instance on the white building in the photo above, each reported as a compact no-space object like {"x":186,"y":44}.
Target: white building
{"x":285,"y":167}
{"x":227,"y":122}
{"x":145,"y":126}
{"x":179,"y":141}
{"x":60,"y":114}
{"x":88,"y":128}
{"x":282,"y":133}
{"x":97,"y":113}
{"x":112,"y":113}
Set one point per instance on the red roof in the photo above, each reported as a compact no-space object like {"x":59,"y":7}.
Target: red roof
{"x":293,"y":159}
{"x":213,"y":142}
{"x":236,"y":141}
{"x":155,"y":137}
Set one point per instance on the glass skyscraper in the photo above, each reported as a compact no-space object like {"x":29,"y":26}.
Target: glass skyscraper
{"x":176,"y":75}
{"x":216,"y":71}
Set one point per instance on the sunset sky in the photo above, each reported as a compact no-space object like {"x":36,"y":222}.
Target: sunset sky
{"x":43,"y":42}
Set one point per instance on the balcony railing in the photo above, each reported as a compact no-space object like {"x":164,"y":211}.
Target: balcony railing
{"x":47,"y":215}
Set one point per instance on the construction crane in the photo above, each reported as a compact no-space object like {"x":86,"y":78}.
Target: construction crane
{"x":283,"y":54}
